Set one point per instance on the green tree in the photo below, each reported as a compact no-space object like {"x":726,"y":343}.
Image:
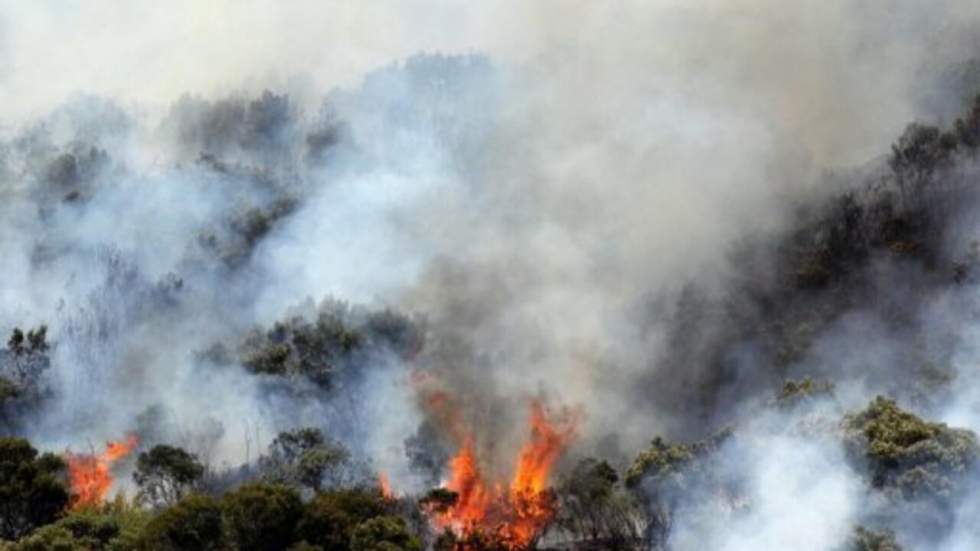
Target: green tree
{"x":302,"y":457}
{"x":32,"y":493}
{"x":906,"y":455}
{"x":193,"y":524}
{"x":666,"y":470}
{"x":165,"y":474}
{"x":89,"y":530}
{"x":384,"y":534}
{"x":331,"y":517}
{"x":595,"y":508}
{"x":262,"y":517}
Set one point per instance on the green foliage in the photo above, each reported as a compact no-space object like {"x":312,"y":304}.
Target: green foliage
{"x":8,"y":390}
{"x":32,"y":493}
{"x":667,"y":462}
{"x":668,"y":471}
{"x":193,"y":524}
{"x":302,"y":457}
{"x":595,"y":508}
{"x":131,"y":520}
{"x":868,"y":540}
{"x":165,"y":474}
{"x":383,"y":534}
{"x":115,"y":526}
{"x":335,"y":341}
{"x":245,"y":231}
{"x":88,"y":530}
{"x":262,"y":517}
{"x":906,"y":454}
{"x":794,"y":392}
{"x":331,"y":517}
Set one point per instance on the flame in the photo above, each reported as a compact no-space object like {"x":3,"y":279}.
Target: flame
{"x":90,"y":474}
{"x":514,"y":514}
{"x":385,"y":485}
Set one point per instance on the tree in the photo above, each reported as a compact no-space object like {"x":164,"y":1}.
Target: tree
{"x":666,"y":470}
{"x":337,"y":344}
{"x":193,"y":524}
{"x":262,"y":516}
{"x":795,"y":393}
{"x":595,"y":508}
{"x":31,"y":489}
{"x":331,"y":517}
{"x":22,"y":365}
{"x":85,"y":530}
{"x":383,"y":534}
{"x":920,"y":151}
{"x":907,"y":456}
{"x":869,"y":540}
{"x":302,"y":457}
{"x":165,"y":474}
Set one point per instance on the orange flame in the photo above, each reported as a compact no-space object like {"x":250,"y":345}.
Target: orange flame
{"x":385,"y":485}
{"x":90,"y":475}
{"x":517,"y":514}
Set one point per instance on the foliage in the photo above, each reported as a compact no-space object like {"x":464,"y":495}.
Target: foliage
{"x":88,"y":530}
{"x":383,"y":533}
{"x":331,"y":517}
{"x":595,"y":508}
{"x":868,"y":540}
{"x":667,"y":471}
{"x":234,"y":244}
{"x":262,"y":516}
{"x":339,"y":340}
{"x":193,"y":524}
{"x":906,"y":454}
{"x":22,"y":366}
{"x":32,"y":493}
{"x":165,"y":474}
{"x":663,"y":461}
{"x":794,"y":392}
{"x":302,"y":457}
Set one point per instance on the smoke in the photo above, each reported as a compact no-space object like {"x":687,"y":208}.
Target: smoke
{"x":585,"y":202}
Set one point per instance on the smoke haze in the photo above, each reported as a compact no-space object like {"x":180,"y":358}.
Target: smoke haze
{"x":575,"y":201}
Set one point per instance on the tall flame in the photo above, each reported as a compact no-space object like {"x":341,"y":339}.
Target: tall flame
{"x":515,"y":514}
{"x":384,"y":484}
{"x":90,"y":475}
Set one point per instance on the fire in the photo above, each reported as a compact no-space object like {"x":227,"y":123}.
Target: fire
{"x":385,"y":485}
{"x":517,"y":513}
{"x":90,"y":474}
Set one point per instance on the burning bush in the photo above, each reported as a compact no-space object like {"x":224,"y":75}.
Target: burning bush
{"x":91,"y":476}
{"x":510,"y":516}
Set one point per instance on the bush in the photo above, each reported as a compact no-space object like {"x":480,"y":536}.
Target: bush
{"x":262,"y":517}
{"x":331,"y":517}
{"x":383,"y":534}
{"x":193,"y":524}
{"x":165,"y":473}
{"x":31,"y":490}
{"x":907,"y":455}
